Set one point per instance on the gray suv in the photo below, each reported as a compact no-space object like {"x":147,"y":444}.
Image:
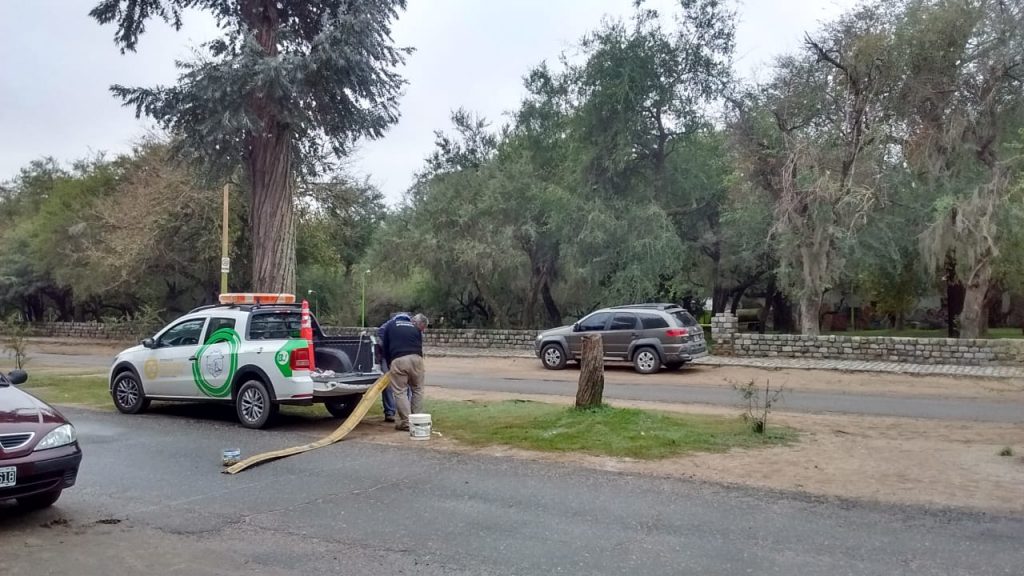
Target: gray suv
{"x":648,"y":335}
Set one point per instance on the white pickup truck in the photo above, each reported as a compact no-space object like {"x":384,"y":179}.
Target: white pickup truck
{"x":249,"y":355}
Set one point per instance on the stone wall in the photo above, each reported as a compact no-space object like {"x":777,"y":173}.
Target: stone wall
{"x":730,"y":342}
{"x":442,"y":337}
{"x":467,"y":338}
{"x":84,"y":330}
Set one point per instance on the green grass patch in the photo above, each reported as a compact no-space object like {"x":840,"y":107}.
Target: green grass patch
{"x":605,"y":431}
{"x":80,"y":390}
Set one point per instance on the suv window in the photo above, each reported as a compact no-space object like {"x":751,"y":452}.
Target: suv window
{"x":217,"y":324}
{"x":684,"y":318}
{"x":652,"y":322}
{"x":594,"y":322}
{"x":623,"y":321}
{"x":185,"y":334}
{"x":283,"y":325}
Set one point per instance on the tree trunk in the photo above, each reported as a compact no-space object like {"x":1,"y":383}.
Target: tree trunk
{"x":719,"y":294}
{"x":739,"y":291}
{"x":973,"y":319}
{"x":270,"y":168}
{"x":954,"y":296}
{"x":530,"y":310}
{"x":810,"y":313}
{"x":590,"y":392}
{"x":554,"y":314}
{"x":271,"y":219}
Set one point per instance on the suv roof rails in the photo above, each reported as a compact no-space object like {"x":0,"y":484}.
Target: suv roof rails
{"x":650,"y":306}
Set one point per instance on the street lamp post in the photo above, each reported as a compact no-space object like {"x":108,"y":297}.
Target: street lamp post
{"x":363,"y":313}
{"x":316,"y":302}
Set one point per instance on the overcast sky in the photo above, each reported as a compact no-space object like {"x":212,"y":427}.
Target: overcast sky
{"x":56,"y":65}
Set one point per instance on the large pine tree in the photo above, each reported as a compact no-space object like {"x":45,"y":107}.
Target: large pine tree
{"x":288,"y":87}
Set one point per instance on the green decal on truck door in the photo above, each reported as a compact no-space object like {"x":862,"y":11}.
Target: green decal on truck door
{"x":216,"y":363}
{"x":283,"y":356}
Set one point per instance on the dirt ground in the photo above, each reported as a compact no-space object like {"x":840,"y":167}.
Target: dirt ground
{"x":891,"y":460}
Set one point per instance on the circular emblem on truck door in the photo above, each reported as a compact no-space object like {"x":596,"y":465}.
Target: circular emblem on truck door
{"x":151,"y":369}
{"x":216,"y":363}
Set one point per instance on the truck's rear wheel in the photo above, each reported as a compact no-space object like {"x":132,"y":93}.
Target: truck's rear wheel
{"x":343,"y":407}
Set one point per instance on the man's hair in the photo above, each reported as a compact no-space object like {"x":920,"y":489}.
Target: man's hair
{"x":421,"y":319}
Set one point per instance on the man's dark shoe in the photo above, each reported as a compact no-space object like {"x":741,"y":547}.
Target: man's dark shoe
{"x":402,"y":427}
{"x":388,"y":418}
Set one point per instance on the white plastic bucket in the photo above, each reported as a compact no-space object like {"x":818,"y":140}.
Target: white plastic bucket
{"x":419,"y":426}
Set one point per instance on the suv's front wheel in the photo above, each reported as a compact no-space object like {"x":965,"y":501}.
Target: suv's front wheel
{"x":646,"y":361}
{"x":553,"y":356}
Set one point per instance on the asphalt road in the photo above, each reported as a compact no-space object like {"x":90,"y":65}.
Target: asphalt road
{"x":151,"y":500}
{"x":690,"y":390}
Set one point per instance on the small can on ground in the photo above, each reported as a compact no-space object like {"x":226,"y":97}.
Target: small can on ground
{"x":231,"y":456}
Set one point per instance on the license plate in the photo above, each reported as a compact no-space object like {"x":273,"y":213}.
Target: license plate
{"x":8,"y":476}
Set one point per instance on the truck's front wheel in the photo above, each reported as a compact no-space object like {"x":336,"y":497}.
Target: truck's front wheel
{"x":343,"y":407}
{"x":254,"y":405}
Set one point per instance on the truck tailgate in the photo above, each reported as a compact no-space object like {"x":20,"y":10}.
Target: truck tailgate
{"x":343,"y":384}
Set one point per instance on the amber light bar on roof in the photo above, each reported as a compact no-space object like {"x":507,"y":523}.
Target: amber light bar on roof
{"x":257,"y":298}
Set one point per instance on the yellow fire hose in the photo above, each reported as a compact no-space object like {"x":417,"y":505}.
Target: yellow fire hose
{"x":369,"y":398}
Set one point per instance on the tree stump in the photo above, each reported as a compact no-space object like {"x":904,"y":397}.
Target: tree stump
{"x":590,"y":392}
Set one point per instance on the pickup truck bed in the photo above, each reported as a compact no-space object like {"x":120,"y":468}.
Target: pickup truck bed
{"x":346,"y":365}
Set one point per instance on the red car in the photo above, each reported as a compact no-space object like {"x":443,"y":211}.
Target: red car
{"x":39,"y":453}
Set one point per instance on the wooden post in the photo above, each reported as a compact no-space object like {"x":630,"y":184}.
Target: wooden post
{"x":590,"y":393}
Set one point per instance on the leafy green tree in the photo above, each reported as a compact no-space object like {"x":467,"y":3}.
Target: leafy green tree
{"x":286,"y":88}
{"x":814,"y":137}
{"x":960,"y":104}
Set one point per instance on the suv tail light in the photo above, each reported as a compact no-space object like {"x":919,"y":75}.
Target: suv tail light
{"x":677,"y":332}
{"x":299,"y":359}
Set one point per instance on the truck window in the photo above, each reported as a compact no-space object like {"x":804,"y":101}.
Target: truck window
{"x":217,"y":324}
{"x":284,"y":325}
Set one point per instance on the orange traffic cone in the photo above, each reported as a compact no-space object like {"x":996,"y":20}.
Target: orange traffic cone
{"x":306,"y":333}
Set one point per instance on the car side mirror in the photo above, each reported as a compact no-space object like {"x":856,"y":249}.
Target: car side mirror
{"x":576,"y":327}
{"x":18,"y":377}
{"x":149,"y":343}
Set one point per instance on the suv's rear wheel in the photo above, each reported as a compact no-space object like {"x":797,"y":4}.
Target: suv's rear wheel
{"x":553,"y":356}
{"x":254,"y":405}
{"x":646,"y":360}
{"x":127,"y":393}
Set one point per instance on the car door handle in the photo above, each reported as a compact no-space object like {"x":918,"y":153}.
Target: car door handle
{"x":635,"y":335}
